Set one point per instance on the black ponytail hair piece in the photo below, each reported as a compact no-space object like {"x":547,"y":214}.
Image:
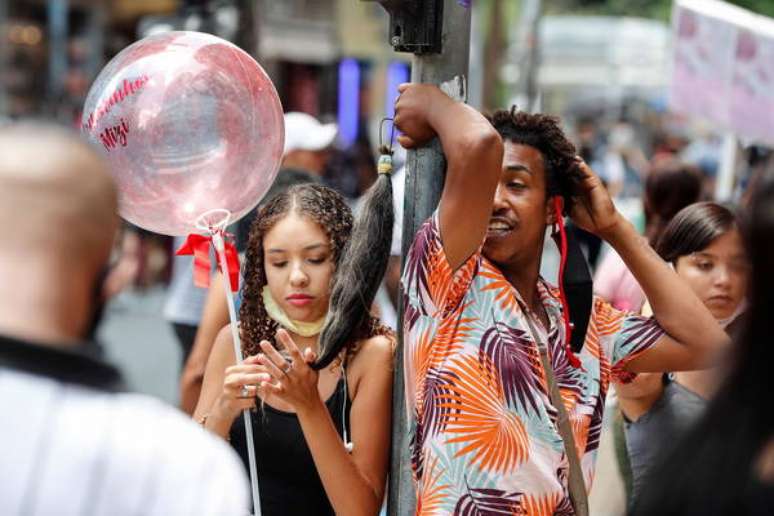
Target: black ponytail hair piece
{"x":360,"y":271}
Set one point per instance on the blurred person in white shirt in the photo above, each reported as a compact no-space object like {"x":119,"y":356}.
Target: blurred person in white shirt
{"x":71,"y":441}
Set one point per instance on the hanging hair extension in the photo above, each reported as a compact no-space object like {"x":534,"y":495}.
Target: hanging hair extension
{"x":362,"y":266}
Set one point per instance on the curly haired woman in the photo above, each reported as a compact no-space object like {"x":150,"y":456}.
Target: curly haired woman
{"x":321,"y":437}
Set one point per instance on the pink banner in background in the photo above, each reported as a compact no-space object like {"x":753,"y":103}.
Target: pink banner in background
{"x":752,"y":89}
{"x":703,"y":65}
{"x":723,"y":67}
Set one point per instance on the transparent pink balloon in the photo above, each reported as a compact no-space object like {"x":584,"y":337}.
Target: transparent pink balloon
{"x":189,"y":123}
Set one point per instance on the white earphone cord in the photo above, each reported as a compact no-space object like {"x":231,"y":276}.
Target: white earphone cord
{"x":348,"y":445}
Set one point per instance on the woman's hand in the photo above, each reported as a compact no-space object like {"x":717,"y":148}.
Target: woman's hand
{"x":239,"y":388}
{"x":413,"y":112}
{"x":293,"y":381}
{"x":593,"y":209}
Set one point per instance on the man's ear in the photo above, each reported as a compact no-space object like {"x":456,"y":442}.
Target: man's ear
{"x":553,"y":203}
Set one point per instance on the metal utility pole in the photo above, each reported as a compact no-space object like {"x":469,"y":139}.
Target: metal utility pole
{"x":493,"y":50}
{"x":95,"y":34}
{"x":57,"y":48}
{"x":248,"y":35}
{"x":438,"y":33}
{"x":729,"y":161}
{"x":3,"y":58}
{"x":528,"y":53}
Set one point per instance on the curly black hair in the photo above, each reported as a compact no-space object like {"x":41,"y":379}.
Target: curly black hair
{"x":325,"y":207}
{"x":544,"y":133}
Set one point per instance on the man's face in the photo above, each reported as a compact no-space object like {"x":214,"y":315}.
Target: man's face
{"x":520,"y":211}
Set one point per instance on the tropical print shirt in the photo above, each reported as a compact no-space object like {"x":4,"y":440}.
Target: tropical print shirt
{"x":484,"y":432}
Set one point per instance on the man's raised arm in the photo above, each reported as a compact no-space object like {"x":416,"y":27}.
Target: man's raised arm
{"x":693,"y":339}
{"x":474,"y":155}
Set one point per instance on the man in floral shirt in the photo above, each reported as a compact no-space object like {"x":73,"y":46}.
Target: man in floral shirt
{"x":485,"y":432}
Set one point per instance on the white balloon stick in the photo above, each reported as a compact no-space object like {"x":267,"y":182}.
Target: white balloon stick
{"x":220,"y":248}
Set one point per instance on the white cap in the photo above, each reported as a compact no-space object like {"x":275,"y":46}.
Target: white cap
{"x":305,"y":132}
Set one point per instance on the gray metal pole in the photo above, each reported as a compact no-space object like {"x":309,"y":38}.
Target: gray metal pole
{"x":57,"y":50}
{"x":533,"y":60}
{"x":527,"y":54}
{"x":425,"y":172}
{"x":729,"y":158}
{"x":96,"y":37}
{"x":3,"y":58}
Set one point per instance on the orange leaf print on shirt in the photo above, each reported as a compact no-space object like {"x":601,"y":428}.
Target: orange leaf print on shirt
{"x":477,"y":415}
{"x":433,"y":493}
{"x":431,"y":350}
{"x":569,"y":399}
{"x":446,"y":287}
{"x":540,"y":505}
{"x":439,"y":276}
{"x":420,"y":358}
{"x":505,"y":292}
{"x":579,"y":423}
{"x":607,"y":319}
{"x":451,"y":335}
{"x":580,"y":431}
{"x":591,"y":344}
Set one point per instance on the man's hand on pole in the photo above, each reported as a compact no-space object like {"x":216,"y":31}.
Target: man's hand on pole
{"x":414,"y":109}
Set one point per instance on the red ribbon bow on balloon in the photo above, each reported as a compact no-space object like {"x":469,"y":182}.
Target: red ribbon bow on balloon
{"x":199,"y":247}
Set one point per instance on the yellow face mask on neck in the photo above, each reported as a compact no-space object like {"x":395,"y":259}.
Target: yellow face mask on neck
{"x":304,"y":329}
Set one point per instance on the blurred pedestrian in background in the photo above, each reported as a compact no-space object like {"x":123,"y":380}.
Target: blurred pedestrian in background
{"x":72,"y":441}
{"x":704,"y":245}
{"x":725,"y":463}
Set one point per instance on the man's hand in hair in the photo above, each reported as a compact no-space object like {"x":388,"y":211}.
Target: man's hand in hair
{"x":593,"y":209}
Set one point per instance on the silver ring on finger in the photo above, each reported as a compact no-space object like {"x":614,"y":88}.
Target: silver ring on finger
{"x":287,"y":367}
{"x":245,"y":392}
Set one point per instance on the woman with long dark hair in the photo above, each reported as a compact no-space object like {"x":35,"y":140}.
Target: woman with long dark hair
{"x":322,"y":426}
{"x":725,"y":464}
{"x":704,"y":245}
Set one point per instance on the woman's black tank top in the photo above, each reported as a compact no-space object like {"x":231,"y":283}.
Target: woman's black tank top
{"x":288,"y":481}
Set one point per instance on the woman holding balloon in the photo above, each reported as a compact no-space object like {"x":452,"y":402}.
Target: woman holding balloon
{"x":321,"y":436}
{"x":193,"y":130}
